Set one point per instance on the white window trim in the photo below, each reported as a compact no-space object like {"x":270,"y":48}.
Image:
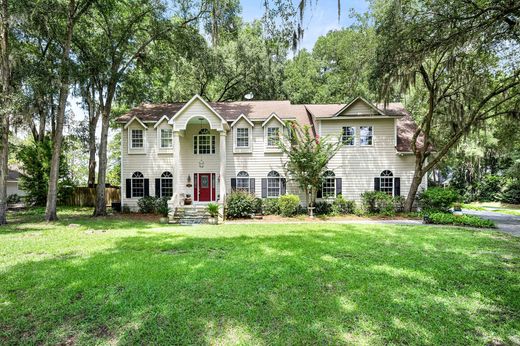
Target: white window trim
{"x":131,"y":149}
{"x":211,"y":136}
{"x":249,"y":148}
{"x":271,"y":148}
{"x":279,"y":178}
{"x":333,"y":196}
{"x":248,"y":178}
{"x":392,"y":178}
{"x":161,"y":185}
{"x":159,"y":139}
{"x":354,"y":139}
{"x":373,"y":136}
{"x":132,"y":179}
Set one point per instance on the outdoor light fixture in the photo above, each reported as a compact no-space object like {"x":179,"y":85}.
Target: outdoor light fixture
{"x":201,"y":163}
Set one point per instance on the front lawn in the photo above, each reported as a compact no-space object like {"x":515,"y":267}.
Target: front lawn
{"x":130,"y":281}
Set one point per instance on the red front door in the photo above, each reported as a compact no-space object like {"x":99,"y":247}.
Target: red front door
{"x":204,"y":187}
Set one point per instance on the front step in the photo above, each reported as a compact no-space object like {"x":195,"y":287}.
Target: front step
{"x":190,"y":215}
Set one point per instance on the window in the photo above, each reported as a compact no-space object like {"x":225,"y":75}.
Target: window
{"x":273,"y":136}
{"x":243,"y":181}
{"x":273,"y":184}
{"x":166,"y":184}
{"x":137,"y":184}
{"x":365,"y":135}
{"x":166,"y":138}
{"x":387,"y":182}
{"x":328,"y":187}
{"x":242,"y":137}
{"x":204,"y":143}
{"x":137,"y":139}
{"x":348,"y":135}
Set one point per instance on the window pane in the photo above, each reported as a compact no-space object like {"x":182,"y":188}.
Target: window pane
{"x":273,"y":187}
{"x":137,"y":139}
{"x":243,"y":184}
{"x":348,"y":135}
{"x":204,"y":144}
{"x":328,"y":189}
{"x":365,"y":135}
{"x":137,"y":187}
{"x":273,"y":136}
{"x":166,"y":187}
{"x":387,"y":185}
{"x":166,"y":138}
{"x":242,"y":137}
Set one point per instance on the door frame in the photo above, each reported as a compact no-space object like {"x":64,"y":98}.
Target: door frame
{"x":212,"y":187}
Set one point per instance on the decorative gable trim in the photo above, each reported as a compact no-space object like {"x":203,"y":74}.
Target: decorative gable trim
{"x":135,"y":119}
{"x":359,"y":98}
{"x":242,"y":116}
{"x":196,"y":97}
{"x":164,"y":117}
{"x":271,"y":116}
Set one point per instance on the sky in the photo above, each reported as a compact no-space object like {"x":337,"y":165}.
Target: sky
{"x":321,"y":16}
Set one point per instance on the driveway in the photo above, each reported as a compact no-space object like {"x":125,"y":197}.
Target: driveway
{"x":506,"y":223}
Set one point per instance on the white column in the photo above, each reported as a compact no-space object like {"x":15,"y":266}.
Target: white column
{"x":222,"y":151}
{"x":176,"y":167}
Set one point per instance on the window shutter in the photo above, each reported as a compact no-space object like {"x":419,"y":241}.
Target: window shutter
{"x":195,"y":186}
{"x":377,"y":184}
{"x":264,"y":187}
{"x":339,"y":186}
{"x":147,"y":187}
{"x":233,"y":184}
{"x":397,"y":186}
{"x":213,"y":141}
{"x":195,"y":145}
{"x":128,"y":188}
{"x":252,"y":185}
{"x":319,"y":192}
{"x":157,"y":187}
{"x":283,"y":186}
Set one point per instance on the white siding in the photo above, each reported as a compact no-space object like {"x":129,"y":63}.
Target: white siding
{"x":359,"y":107}
{"x":359,"y":165}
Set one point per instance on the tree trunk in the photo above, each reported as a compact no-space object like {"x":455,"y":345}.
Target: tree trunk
{"x":93,"y":117}
{"x":6,"y":81}
{"x":52,"y":193}
{"x":101,"y":208}
{"x":416,"y":182}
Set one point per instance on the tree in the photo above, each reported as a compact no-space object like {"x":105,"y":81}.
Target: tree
{"x":74,"y":12}
{"x":462,"y":60}
{"x":307,"y":158}
{"x":5,"y":103}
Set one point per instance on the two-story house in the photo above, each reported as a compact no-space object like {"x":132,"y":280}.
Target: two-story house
{"x":208,"y":149}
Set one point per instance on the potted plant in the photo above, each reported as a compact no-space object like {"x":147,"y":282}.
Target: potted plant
{"x":163,"y":209}
{"x":213,"y":213}
{"x":187,"y":199}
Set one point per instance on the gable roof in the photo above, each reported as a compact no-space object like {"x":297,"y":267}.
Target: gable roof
{"x":260,"y":111}
{"x":135,"y":118}
{"x":242,"y":116}
{"x":358,"y":99}
{"x":273,"y":115}
{"x":198,"y":98}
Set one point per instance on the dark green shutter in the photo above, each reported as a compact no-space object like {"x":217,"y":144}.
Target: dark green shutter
{"x":147,"y":187}
{"x":128,"y":188}
{"x":233,"y":184}
{"x":252,"y":185}
{"x":377,"y":184}
{"x":397,"y":186}
{"x":264,"y":187}
{"x":338,"y":186}
{"x":157,"y":187}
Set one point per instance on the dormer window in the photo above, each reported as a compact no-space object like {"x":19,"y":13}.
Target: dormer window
{"x":273,"y":136}
{"x":166,"y":138}
{"x":137,"y":139}
{"x":242,"y":137}
{"x":365,"y":135}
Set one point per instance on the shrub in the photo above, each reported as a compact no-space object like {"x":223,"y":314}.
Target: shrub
{"x":212,"y":209}
{"x":438,"y":199}
{"x":289,"y":205}
{"x":125,"y":209}
{"x":270,"y":206}
{"x":488,"y":187}
{"x":399,"y":204}
{"x":462,"y":220}
{"x":341,"y":206}
{"x":322,"y":208}
{"x":378,"y":202}
{"x":14,"y":198}
{"x":240,"y":204}
{"x":161,"y":206}
{"x":258,"y":206}
{"x":511,"y":192}
{"x":147,"y":204}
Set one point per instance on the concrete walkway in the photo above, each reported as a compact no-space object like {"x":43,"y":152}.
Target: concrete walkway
{"x":505,"y":223}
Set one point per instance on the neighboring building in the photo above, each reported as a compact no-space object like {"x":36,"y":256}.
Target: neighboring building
{"x":12,"y":183}
{"x":207,"y":149}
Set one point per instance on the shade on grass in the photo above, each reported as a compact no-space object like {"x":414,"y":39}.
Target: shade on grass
{"x":119,"y":280}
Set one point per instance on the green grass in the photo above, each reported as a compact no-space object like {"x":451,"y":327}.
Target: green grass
{"x":120,"y":280}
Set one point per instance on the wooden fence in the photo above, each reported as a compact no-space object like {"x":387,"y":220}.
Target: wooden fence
{"x":86,"y":196}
